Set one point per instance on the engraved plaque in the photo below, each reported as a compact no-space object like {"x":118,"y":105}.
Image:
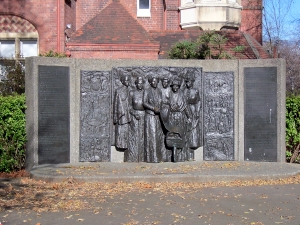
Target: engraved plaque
{"x":218,"y":116}
{"x":260,"y":114}
{"x":95,"y":116}
{"x":53,"y":115}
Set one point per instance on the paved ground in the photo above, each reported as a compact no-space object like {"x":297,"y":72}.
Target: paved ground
{"x":157,"y":203}
{"x":158,"y":172}
{"x":278,"y":204}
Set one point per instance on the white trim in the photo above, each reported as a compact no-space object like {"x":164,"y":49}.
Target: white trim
{"x":8,"y":45}
{"x":143,"y":12}
{"x":28,"y":47}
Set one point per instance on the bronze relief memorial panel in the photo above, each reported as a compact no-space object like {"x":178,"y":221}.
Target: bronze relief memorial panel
{"x":156,"y":114}
{"x":218,"y":116}
{"x":154,"y":111}
{"x":95,"y":93}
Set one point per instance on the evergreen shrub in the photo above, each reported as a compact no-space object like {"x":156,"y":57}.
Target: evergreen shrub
{"x":293,"y":128}
{"x":12,"y":132}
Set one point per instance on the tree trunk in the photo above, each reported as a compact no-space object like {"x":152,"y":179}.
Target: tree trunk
{"x":295,"y":154}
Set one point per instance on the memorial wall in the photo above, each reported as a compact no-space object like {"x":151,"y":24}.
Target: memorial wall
{"x":88,"y":110}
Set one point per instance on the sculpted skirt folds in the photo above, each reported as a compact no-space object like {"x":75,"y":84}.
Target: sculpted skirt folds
{"x":135,"y":151}
{"x":193,"y":131}
{"x":153,"y":138}
{"x":122,"y":135}
{"x":121,"y":117}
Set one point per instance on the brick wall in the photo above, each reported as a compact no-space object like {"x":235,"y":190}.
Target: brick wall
{"x":15,"y":24}
{"x":252,"y":18}
{"x":43,"y":16}
{"x":111,"y":54}
{"x":172,"y":15}
{"x":70,"y":14}
{"x":155,"y":22}
{"x":172,"y":20}
{"x":87,"y":9}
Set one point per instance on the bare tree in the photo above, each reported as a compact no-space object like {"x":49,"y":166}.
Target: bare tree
{"x":290,"y":51}
{"x":275,"y":21}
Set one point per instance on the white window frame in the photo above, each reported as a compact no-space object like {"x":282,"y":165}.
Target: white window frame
{"x":18,"y":38}
{"x":13,"y":43}
{"x":143,"y":12}
{"x":24,"y":54}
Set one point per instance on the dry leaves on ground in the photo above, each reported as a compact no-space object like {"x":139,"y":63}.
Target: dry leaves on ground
{"x":72,"y":195}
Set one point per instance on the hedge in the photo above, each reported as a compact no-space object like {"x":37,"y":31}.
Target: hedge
{"x":12,"y":133}
{"x":293,"y":128}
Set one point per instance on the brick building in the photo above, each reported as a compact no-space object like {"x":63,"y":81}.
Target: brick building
{"x":137,"y":29}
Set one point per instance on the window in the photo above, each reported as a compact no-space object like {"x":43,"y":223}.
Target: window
{"x":28,"y":48}
{"x":143,"y":8}
{"x":7,"y":48}
{"x":18,"y":47}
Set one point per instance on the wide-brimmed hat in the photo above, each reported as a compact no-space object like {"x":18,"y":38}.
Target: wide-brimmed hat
{"x":176,"y":82}
{"x":139,"y":80}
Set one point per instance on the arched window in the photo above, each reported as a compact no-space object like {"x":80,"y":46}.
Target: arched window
{"x":18,"y":37}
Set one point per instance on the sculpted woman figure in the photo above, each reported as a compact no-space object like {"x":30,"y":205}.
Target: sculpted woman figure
{"x":176,"y":119}
{"x":135,"y":152}
{"x":121,"y":116}
{"x":153,"y":129}
{"x":193,"y":131}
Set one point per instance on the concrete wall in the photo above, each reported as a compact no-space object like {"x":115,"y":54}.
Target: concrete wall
{"x":210,"y":15}
{"x":76,"y":65}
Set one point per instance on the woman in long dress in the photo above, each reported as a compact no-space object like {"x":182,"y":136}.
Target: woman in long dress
{"x":153,"y":129}
{"x":193,"y":132}
{"x":176,"y":118}
{"x":135,"y":151}
{"x":121,"y":116}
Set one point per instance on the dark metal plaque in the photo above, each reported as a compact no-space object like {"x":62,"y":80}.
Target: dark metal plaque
{"x":53,"y":115}
{"x":218,"y":116}
{"x":260,"y":114}
{"x":95,"y":116}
